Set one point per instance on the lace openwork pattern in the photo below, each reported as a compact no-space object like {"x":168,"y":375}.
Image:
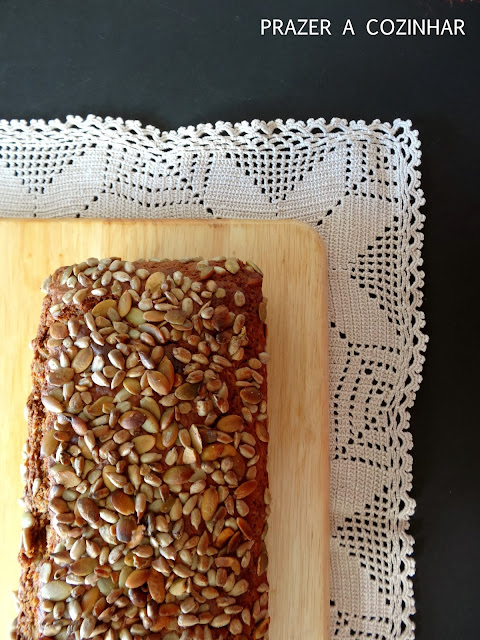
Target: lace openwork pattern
{"x":358,"y":184}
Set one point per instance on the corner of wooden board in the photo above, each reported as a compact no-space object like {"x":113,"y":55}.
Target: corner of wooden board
{"x":313,"y":236}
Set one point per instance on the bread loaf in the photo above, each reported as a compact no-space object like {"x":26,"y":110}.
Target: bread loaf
{"x":146,"y":488}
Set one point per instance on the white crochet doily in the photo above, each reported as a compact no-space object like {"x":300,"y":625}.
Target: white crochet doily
{"x":359,"y":186}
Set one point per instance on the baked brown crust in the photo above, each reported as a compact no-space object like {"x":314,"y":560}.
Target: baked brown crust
{"x":146,"y":510}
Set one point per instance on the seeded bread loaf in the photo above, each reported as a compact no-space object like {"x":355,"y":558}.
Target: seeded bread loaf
{"x":146,"y":489}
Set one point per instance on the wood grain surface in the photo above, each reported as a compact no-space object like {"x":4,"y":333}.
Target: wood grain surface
{"x":295,"y":282}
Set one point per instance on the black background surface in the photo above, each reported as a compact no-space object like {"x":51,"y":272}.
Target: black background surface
{"x":172,"y":63}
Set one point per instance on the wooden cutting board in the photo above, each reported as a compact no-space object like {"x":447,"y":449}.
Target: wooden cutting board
{"x":295,"y":282}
